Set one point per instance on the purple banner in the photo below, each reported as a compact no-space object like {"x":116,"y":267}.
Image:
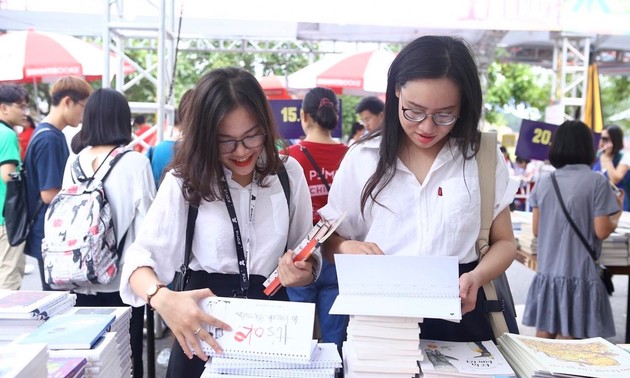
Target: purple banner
{"x":287,"y":116}
{"x":534,"y":140}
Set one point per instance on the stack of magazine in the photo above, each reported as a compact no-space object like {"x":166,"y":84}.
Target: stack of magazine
{"x":68,"y":367}
{"x":21,"y":312}
{"x":102,"y":358}
{"x":538,"y":357}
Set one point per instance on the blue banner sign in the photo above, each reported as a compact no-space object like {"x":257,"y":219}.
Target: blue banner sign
{"x":287,"y":116}
{"x":534,"y":140}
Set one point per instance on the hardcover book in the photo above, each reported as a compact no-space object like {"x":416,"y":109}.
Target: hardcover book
{"x":70,"y":331}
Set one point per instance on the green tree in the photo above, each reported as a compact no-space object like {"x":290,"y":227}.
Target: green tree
{"x":615,"y":95}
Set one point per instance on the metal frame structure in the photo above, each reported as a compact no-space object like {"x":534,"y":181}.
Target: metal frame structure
{"x":572,"y":57}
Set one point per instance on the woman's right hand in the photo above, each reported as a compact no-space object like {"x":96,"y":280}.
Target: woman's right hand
{"x":360,"y":248}
{"x":187,"y":321}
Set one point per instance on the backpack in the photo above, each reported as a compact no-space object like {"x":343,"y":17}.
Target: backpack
{"x":79,"y":246}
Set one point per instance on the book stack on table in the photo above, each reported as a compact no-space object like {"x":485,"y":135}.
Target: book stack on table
{"x":120,"y":328}
{"x":23,"y":361}
{"x":378,"y":345}
{"x":21,"y":312}
{"x":268,"y":338}
{"x":541,"y":358}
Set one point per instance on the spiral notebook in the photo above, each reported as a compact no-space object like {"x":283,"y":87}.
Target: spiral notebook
{"x":262,"y":329}
{"x":393,"y":285}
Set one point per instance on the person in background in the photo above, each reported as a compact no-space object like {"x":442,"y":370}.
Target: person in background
{"x":25,"y":135}
{"x":13,"y":111}
{"x":506,"y":157}
{"x":612,"y":162}
{"x":227,"y":163}
{"x":161,"y":154}
{"x":46,"y":157}
{"x":141,"y":126}
{"x":129,"y":188}
{"x":567,"y":298}
{"x":356,"y":132}
{"x":412,"y":187}
{"x":371,"y":113}
{"x":320,"y":155}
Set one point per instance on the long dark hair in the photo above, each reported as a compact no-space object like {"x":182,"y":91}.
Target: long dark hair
{"x":197,"y":161}
{"x":428,"y":57}
{"x":106,"y":121}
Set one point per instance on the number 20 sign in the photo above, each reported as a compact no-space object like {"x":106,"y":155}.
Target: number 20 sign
{"x":534,"y":139}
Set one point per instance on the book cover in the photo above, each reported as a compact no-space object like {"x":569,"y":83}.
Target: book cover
{"x":393,"y":285}
{"x":261,"y":329}
{"x":65,"y":367}
{"x":449,"y":358}
{"x":70,"y":331}
{"x":593,"y":357}
{"x":28,"y":304}
{"x":21,"y":360}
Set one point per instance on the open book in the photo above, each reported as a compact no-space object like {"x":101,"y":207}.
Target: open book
{"x":593,"y":357}
{"x":391,"y":285}
{"x":262,"y":329}
{"x":318,"y":234}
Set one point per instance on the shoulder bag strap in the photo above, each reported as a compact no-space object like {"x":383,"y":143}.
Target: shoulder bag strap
{"x":486,"y":165}
{"x":319,"y":171}
{"x":190,"y":231}
{"x":589,"y":248}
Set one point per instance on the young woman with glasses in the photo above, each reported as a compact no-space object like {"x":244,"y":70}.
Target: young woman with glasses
{"x":412,"y":188}
{"x":227,"y":163}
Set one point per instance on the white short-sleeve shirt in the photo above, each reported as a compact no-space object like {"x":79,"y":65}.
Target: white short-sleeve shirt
{"x":439,"y":217}
{"x":160,"y":244}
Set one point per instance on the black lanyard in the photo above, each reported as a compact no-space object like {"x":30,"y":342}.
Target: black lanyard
{"x":238,"y":240}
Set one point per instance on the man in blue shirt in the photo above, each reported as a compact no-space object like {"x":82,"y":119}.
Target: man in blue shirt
{"x":47,"y":155}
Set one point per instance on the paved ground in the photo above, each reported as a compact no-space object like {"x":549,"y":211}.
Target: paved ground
{"x":519,"y":276}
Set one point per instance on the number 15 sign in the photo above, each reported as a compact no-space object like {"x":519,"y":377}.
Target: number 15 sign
{"x":534,"y":140}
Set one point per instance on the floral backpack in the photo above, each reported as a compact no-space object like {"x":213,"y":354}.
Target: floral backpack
{"x":79,"y":246}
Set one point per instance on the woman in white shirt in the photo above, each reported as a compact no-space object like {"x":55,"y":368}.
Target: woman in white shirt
{"x":227,"y":162}
{"x":413,"y":187}
{"x":129,"y":188}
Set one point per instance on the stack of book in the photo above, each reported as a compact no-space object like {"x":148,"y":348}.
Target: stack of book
{"x":325,"y":361}
{"x":120,"y":327}
{"x":463,"y":359}
{"x":382,"y":345}
{"x":23,"y":361}
{"x":615,"y":250}
{"x":268,"y":338}
{"x":387,"y":297}
{"x":82,"y":336}
{"x":102,"y":359}
{"x":59,"y":367}
{"x":21,"y":312}
{"x":527,"y":242}
{"x":537,"y":357}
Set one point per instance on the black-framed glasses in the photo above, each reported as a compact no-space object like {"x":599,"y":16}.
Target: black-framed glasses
{"x":252,"y":141}
{"x":605,"y":139}
{"x":441,"y":119}
{"x":22,"y":106}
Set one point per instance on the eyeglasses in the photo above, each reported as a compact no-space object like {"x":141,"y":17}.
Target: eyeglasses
{"x":80,"y":103}
{"x":605,"y":139}
{"x":253,"y":141}
{"x":441,"y":119}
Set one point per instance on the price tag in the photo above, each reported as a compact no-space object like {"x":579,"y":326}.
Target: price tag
{"x":287,"y":116}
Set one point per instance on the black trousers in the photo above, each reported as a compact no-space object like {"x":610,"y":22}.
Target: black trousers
{"x":474,"y":325}
{"x":136,"y":325}
{"x":223,"y":285}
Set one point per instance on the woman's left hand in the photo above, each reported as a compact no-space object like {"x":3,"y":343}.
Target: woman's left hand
{"x":468,"y":288}
{"x":295,"y":273}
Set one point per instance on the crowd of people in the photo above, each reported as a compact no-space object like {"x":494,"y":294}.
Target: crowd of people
{"x":408,"y":184}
